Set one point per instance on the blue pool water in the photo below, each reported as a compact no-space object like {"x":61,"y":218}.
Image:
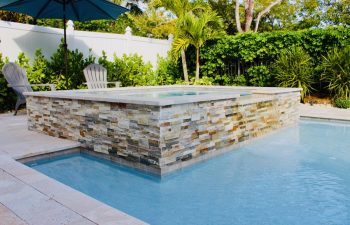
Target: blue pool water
{"x":167,"y":94}
{"x":300,"y":175}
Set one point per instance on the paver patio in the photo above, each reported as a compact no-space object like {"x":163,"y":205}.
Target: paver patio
{"x":29,"y":197}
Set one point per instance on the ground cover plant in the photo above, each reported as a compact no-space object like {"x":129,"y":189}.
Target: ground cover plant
{"x":336,"y":71}
{"x":293,"y":68}
{"x":342,"y":103}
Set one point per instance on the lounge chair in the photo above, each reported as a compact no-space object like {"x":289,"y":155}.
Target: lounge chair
{"x":16,"y":78}
{"x":96,"y":77}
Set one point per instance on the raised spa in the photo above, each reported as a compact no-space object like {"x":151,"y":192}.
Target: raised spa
{"x":161,"y":129}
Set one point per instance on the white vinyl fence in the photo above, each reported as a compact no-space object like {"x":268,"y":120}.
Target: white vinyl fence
{"x":17,"y":37}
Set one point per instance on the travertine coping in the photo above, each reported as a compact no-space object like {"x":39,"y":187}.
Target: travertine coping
{"x":59,"y":203}
{"x":319,"y":112}
{"x":36,"y":199}
{"x":121,"y":95}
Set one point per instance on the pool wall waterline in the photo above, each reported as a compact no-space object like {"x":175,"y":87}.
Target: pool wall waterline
{"x":162,"y":138}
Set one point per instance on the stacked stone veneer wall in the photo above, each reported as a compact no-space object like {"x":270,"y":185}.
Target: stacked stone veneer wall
{"x":160,"y":136}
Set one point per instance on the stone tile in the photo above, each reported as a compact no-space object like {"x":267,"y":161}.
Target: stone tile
{"x":7,"y":217}
{"x":18,"y":142}
{"x":324,"y":112}
{"x":29,"y":197}
{"x":209,"y":124}
{"x":31,"y":205}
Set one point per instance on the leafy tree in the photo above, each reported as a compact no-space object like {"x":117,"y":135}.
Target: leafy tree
{"x":180,"y":8}
{"x":224,"y":9}
{"x":249,"y":10}
{"x":282,"y":16}
{"x":309,"y":14}
{"x":317,"y":13}
{"x":196,"y":30}
{"x":338,"y":12}
{"x":154,"y":23}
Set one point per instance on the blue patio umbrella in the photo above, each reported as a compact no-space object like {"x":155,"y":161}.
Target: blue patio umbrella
{"x":78,"y":10}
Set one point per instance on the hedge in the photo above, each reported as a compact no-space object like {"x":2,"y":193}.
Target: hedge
{"x":257,"y":47}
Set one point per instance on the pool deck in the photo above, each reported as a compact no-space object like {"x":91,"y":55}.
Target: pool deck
{"x":29,"y":197}
{"x":319,"y":112}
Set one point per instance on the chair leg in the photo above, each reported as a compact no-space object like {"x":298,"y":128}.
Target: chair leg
{"x":18,"y":103}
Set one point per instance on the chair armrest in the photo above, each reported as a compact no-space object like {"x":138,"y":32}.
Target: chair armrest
{"x":116,"y":83}
{"x":52,"y":86}
{"x":96,"y":82}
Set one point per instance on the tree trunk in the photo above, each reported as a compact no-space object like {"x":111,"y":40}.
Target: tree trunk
{"x":249,"y":8}
{"x":264,"y":12}
{"x":237,"y":16}
{"x":184,"y":65}
{"x":197,"y":64}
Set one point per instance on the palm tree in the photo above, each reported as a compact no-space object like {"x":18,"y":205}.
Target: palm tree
{"x":196,"y":30}
{"x":180,"y":8}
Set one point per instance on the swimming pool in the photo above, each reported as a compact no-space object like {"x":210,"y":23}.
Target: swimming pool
{"x":299,"y":175}
{"x":170,"y":94}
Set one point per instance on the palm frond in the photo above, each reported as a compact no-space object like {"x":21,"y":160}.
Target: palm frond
{"x":179,"y":44}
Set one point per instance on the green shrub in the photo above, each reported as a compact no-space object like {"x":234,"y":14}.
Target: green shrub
{"x":108,"y":65}
{"x":167,"y":71}
{"x":249,"y":48}
{"x":131,"y":70}
{"x":336,"y":71}
{"x":39,"y":73}
{"x":343,"y":103}
{"x":203,"y":81}
{"x":223,"y":80}
{"x":239,"y":80}
{"x":294,"y":68}
{"x":259,"y":76}
{"x":23,"y":61}
{"x":76,"y":65}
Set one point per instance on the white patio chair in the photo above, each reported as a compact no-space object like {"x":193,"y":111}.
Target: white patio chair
{"x":96,"y":77}
{"x":16,"y":78}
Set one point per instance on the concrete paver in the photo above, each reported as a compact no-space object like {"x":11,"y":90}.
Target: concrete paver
{"x":33,"y":206}
{"x":17,"y":141}
{"x":322,"y":112}
{"x":30,"y":197}
{"x":8,"y":217}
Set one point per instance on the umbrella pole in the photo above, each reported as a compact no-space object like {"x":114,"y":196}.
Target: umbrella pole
{"x":65,"y":43}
